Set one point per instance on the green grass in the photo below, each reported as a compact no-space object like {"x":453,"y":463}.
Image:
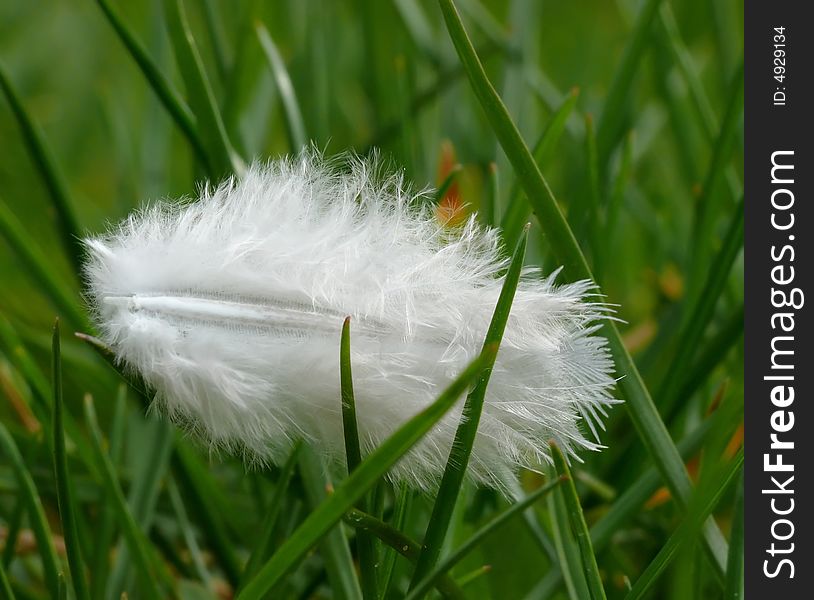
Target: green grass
{"x":458,"y":460}
{"x":615,"y":128}
{"x":579,"y":528}
{"x":359,"y":481}
{"x":27,"y":492}
{"x":353,"y":453}
{"x":65,"y":491}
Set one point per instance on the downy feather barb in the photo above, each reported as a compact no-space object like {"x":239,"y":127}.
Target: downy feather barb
{"x":231,"y":308}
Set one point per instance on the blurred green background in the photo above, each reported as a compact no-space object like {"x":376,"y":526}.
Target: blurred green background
{"x":638,"y":182}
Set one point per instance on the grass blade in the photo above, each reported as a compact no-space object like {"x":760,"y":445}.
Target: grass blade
{"x":714,"y":352}
{"x":419,"y":29}
{"x":681,"y":380}
{"x":65,"y":492}
{"x":39,"y":267}
{"x":639,"y":404}
{"x":202,"y":494}
{"x":334,"y":546}
{"x":364,"y":543}
{"x":584,"y":211}
{"x":423,"y":586}
{"x":408,"y":153}
{"x":24,"y":362}
{"x":631,"y":501}
{"x":531,"y":180}
{"x":153,"y":574}
{"x":349,"y":491}
{"x":517,"y":210}
{"x":567,"y":549}
{"x":388,"y":561}
{"x":445,"y":79}
{"x":161,"y":86}
{"x":399,"y":542}
{"x":214,"y":27}
{"x":734,"y":566}
{"x":107,"y":525}
{"x":612,"y":118}
{"x":703,"y":109}
{"x":628,"y":504}
{"x":148,"y":471}
{"x":684,"y":62}
{"x":185,"y":525}
{"x":541,"y":538}
{"x":223,"y":159}
{"x":551,"y":97}
{"x":13,"y":526}
{"x":578,"y":526}
{"x":442,"y":190}
{"x":614,"y":207}
{"x":689,"y":526}
{"x":36,"y":513}
{"x":5,"y":586}
{"x":487,"y":23}
{"x":294,"y":124}
{"x":262,"y":549}
{"x":465,"y":580}
{"x":699,"y":317}
{"x":246,"y":85}
{"x":323,"y":80}
{"x":49,"y":173}
{"x":709,"y":203}
{"x":595,"y":194}
{"x":203,"y":497}
{"x":468,"y":427}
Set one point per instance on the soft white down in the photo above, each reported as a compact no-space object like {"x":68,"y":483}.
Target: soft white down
{"x":231,"y":308}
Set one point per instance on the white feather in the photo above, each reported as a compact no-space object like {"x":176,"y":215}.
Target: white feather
{"x":231,"y":308}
